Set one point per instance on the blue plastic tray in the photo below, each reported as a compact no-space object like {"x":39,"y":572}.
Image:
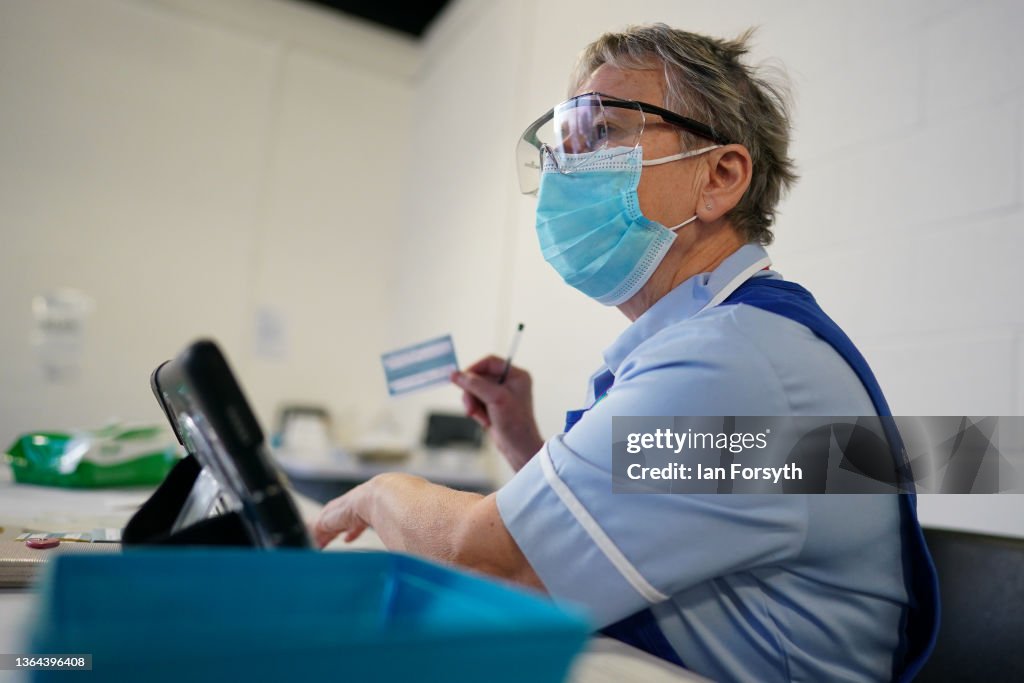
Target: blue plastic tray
{"x":236,"y":615}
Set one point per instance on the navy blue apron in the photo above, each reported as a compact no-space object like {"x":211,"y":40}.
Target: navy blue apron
{"x":920,"y":624}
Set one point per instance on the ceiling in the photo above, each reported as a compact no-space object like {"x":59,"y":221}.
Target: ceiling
{"x":411,"y":18}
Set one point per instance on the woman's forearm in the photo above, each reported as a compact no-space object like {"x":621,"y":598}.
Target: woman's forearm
{"x":415,"y":516}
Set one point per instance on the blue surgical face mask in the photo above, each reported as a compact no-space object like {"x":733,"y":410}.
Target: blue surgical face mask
{"x":591,"y":229}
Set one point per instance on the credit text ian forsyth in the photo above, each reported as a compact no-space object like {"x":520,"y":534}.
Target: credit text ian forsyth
{"x":679,"y":442}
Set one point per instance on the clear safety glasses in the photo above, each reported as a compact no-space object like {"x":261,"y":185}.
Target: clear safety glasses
{"x":570,"y":133}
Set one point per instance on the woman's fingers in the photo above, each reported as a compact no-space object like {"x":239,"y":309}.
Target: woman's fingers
{"x":337,"y":517}
{"x":490,"y":365}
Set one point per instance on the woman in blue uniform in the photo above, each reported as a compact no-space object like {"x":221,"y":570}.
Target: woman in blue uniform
{"x":657,"y":183}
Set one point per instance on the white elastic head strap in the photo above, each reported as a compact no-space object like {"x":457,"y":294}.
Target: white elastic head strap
{"x":677,"y":157}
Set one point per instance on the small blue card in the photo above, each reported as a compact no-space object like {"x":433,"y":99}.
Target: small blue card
{"x":420,"y":365}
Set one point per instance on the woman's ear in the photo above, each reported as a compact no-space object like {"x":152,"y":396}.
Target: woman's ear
{"x":729,"y":172}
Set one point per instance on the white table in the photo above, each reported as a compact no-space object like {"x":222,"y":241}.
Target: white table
{"x":605,"y":661}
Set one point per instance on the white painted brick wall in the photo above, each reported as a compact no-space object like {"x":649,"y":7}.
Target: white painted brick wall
{"x":1020,"y":377}
{"x":973,"y":57}
{"x":870,"y":104}
{"x":947,"y":373}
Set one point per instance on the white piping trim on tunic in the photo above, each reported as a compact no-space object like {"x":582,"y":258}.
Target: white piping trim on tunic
{"x":597,"y":534}
{"x":735,"y":283}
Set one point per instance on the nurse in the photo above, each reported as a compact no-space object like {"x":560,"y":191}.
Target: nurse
{"x":657,"y":183}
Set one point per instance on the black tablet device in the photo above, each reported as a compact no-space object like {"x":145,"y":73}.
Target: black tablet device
{"x":213,"y":421}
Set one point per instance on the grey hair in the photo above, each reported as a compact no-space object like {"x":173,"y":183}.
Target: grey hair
{"x":705,"y":80}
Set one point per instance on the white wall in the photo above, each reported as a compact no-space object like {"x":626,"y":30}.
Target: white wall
{"x":189,"y":164}
{"x":906,"y":224}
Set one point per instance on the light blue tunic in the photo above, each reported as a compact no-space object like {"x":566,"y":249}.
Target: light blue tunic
{"x":744,"y":587}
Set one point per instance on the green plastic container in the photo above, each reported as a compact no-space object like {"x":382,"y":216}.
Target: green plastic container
{"x":113,"y":456}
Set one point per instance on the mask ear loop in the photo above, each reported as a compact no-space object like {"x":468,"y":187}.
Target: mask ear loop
{"x":686,"y":222}
{"x":677,"y":157}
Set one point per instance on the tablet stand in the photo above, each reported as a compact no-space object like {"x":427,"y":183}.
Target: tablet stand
{"x":155,"y":522}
